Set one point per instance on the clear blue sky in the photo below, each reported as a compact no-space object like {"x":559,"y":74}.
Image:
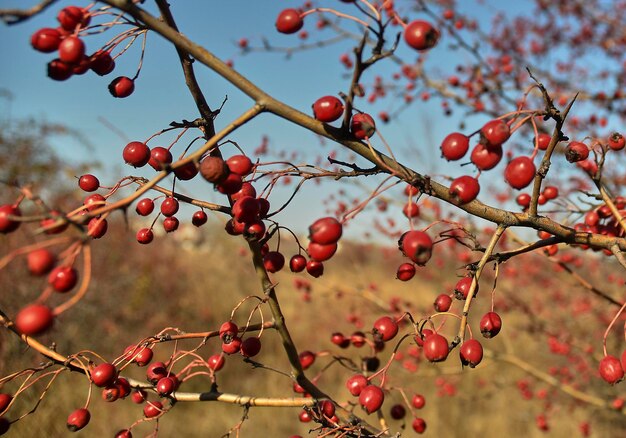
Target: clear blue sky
{"x":160,"y":96}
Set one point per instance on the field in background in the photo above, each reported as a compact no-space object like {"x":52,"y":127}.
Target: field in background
{"x":138,"y":291}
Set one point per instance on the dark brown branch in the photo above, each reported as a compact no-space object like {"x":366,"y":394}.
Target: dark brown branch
{"x":14,"y":16}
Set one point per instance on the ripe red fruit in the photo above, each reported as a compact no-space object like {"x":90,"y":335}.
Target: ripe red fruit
{"x":233,"y":346}
{"x":245,"y":209}
{"x":229,"y":329}
{"x":327,"y":109}
{"x":411,"y":209}
{"x":124,"y":433}
{"x":165,"y":386}
{"x":121,"y":87}
{"x":145,"y":236}
{"x":520,"y":172}
{"x":307,"y":358}
{"x":419,"y":425}
{"x":248,"y":189}
{"x":289,"y":21}
{"x":239,"y":164}
{"x":170,"y":224}
{"x":59,"y":70}
{"x":544,"y":141}
{"x":139,"y":396}
{"x":214,"y":169}
{"x":397,"y":412}
{"x":386,"y":327}
{"x":315,"y":269}
{"x":325,"y":231}
{"x":97,"y":227}
{"x":152,"y":409}
{"x":464,"y":189}
{"x":199,"y":218}
{"x":327,"y":408}
{"x":576,"y":151}
{"x":362,"y":126}
{"x":156,"y":371}
{"x":321,"y":253}
{"x":454,"y":146}
{"x":110,"y":393}
{"x":216,"y":362}
{"x":88,"y":183}
{"x":405,"y":272}
{"x":273,"y":261}
{"x":46,"y":40}
{"x":169,"y":206}
{"x":443,"y":303}
{"x":34,"y":319}
{"x":144,"y":207}
{"x":71,"y":50}
{"x":104,"y":375}
{"x":371,"y":398}
{"x":416,"y":245}
{"x":418,"y":401}
{"x":523,"y":199}
{"x":9,"y":225}
{"x":136,"y":153}
{"x":356,"y":383}
{"x":462,"y":287}
{"x":186,"y":171}
{"x":611,"y":369}
{"x":230,"y":185}
{"x":494,"y":133}
{"x":5,"y":400}
{"x":421,"y":35}
{"x":140,"y":355}
{"x":63,"y":278}
{"x":40,"y":261}
{"x":551,"y":192}
{"x":471,"y":353}
{"x":486,"y":157}
{"x":297,"y":263}
{"x":102,"y":63}
{"x":490,"y":324}
{"x":72,"y":16}
{"x":160,"y":157}
{"x":340,"y":340}
{"x":616,"y":141}
{"x":435,"y":347}
{"x":250,"y":347}
{"x":78,"y":419}
{"x":93,"y":202}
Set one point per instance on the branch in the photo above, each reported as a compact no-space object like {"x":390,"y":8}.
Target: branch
{"x":14,"y":16}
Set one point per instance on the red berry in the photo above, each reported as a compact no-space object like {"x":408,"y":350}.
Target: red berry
{"x":95,"y":201}
{"x":139,"y":396}
{"x":576,"y":151}
{"x":616,"y":141}
{"x":59,"y":70}
{"x":78,"y":419}
{"x":551,"y":192}
{"x":246,"y":209}
{"x":523,"y":199}
{"x":186,"y":171}
{"x":214,"y":169}
{"x":471,"y":353}
{"x":140,"y":355}
{"x":297,"y":263}
{"x":63,"y":278}
{"x":397,"y":412}
{"x":371,"y":398}
{"x":419,"y":425}
{"x":121,"y":87}
{"x":230,"y":185}
{"x":405,"y":272}
{"x":145,"y":236}
{"x":321,"y":253}
{"x":386,"y":327}
{"x":356,"y":383}
{"x":110,"y":393}
{"x":72,"y":16}
{"x":156,"y":371}
{"x":40,"y":261}
{"x":169,"y":206}
{"x":165,"y":386}
{"x":216,"y":362}
{"x":443,"y":303}
{"x":199,"y":218}
{"x":411,"y":209}
{"x":307,"y":358}
{"x":71,"y":50}
{"x":239,"y":164}
{"x":152,"y":409}
{"x":327,"y":109}
{"x":520,"y":172}
{"x":88,"y":183}
{"x":611,"y":369}
{"x":9,"y":225}
{"x":170,"y":224}
{"x":416,"y":245}
{"x":490,"y":324}
{"x":486,"y":157}
{"x":233,"y":346}
{"x":250,"y":347}
{"x":418,"y":401}
{"x":327,"y":408}
{"x":454,"y":146}
{"x":97,"y":227}
{"x":421,"y":35}
{"x":228,"y":328}
{"x":124,"y":433}
{"x":104,"y":375}
{"x":273,"y":261}
{"x":5,"y":400}
{"x":544,"y":141}
{"x":325,"y":231}
{"x":46,"y":40}
{"x":462,"y":288}
{"x":464,"y":189}
{"x":160,"y":157}
{"x":435,"y":347}
{"x":34,"y":319}
{"x":136,"y":154}
{"x":102,"y":63}
{"x":315,"y":269}
{"x":144,"y":207}
{"x":362,"y":126}
{"x":289,"y":21}
{"x":495,"y":132}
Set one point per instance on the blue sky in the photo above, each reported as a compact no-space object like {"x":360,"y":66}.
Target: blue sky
{"x":84,"y":103}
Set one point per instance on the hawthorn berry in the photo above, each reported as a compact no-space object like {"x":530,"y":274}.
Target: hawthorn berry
{"x":611,"y":370}
{"x":416,"y":245}
{"x":71,"y":50}
{"x":250,"y":347}
{"x":78,"y":419}
{"x":405,"y":272}
{"x":216,"y":362}
{"x":170,"y":224}
{"x":102,"y":63}
{"x":71,"y":17}
{"x":40,"y":261}
{"x":471,"y":353}
{"x":110,"y":394}
{"x":454,"y":146}
{"x":523,"y":200}
{"x":418,"y":401}
{"x":327,"y":109}
{"x":307,"y":358}
{"x":230,"y":185}
{"x":88,"y":183}
{"x":419,"y":425}
{"x":411,"y":209}
{"x":486,"y":157}
{"x":121,"y":87}
{"x":362,"y":126}
{"x":385,"y":327}
{"x":435,"y":347}
{"x":421,"y":35}
{"x":289,"y":21}
{"x":490,"y":324}
{"x":297,"y":263}
{"x":214,"y":169}
{"x":616,"y":141}
{"x":152,"y":409}
{"x":124,"y":433}
{"x":8,"y":225}
{"x":494,"y":133}
{"x":169,"y":206}
{"x":356,"y":383}
{"x":34,"y":319}
{"x":123,"y":386}
{"x":464,"y":189}
{"x":199,"y":218}
{"x":371,"y":398}
{"x":46,"y":40}
{"x":5,"y":401}
{"x":186,"y":171}
{"x":136,"y":153}
{"x":576,"y":151}
{"x":462,"y":288}
{"x":63,"y":278}
{"x":325,"y":231}
{"x":314,"y":268}
{"x":144,"y":207}
{"x":543,"y":141}
{"x":145,"y":236}
{"x":59,"y":70}
{"x":551,"y":192}
{"x":321,"y":253}
{"x":165,"y":386}
{"x":139,"y":396}
{"x":97,"y":227}
{"x":104,"y":375}
{"x":443,"y":303}
{"x":273,"y":261}
{"x":397,"y":412}
{"x":233,"y":346}
{"x":239,"y":164}
{"x":245,"y":209}
{"x":520,"y":172}
{"x":156,"y":371}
